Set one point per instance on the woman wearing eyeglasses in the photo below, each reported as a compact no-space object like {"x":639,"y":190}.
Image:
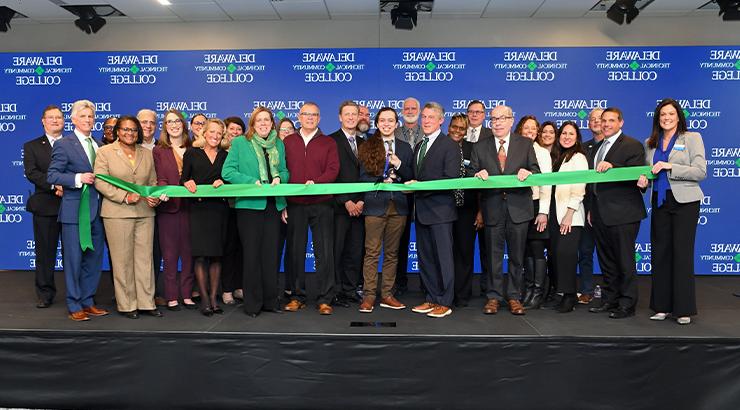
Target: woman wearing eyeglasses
{"x":172,"y":216}
{"x":286,"y":128}
{"x":129,"y":218}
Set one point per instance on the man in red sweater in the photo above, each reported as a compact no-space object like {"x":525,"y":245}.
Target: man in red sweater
{"x":312,"y":158}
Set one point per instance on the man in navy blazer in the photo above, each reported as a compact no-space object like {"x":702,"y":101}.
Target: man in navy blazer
{"x":72,"y":160}
{"x":437,"y":156}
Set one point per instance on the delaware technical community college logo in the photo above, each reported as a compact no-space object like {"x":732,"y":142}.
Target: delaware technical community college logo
{"x":529,"y":66}
{"x":328,"y":67}
{"x":37,"y":71}
{"x":229,"y":68}
{"x":722,"y":64}
{"x":632,"y":65}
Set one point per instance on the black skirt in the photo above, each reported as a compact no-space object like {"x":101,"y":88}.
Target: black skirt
{"x":208,"y":219}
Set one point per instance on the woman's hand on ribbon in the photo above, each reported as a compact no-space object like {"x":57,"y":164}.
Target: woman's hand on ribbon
{"x":190,"y":186}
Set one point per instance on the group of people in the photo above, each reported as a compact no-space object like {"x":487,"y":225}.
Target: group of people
{"x":232,"y":247}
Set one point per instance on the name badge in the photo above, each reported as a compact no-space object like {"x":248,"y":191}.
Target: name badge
{"x":466,"y":162}
{"x":678,"y":147}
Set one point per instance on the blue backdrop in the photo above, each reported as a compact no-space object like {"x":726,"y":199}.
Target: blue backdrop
{"x":552,"y":83}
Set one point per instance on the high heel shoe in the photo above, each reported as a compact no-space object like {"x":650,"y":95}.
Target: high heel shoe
{"x":207,"y":311}
{"x":217,"y":310}
{"x":567,"y":303}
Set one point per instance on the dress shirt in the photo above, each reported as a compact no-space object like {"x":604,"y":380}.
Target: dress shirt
{"x":473,"y":134}
{"x":83,"y":140}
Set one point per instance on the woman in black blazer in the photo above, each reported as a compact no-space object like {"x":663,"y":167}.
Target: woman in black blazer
{"x":383,"y":159}
{"x":678,"y":160}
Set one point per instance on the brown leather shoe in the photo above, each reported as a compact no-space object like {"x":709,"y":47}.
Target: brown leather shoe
{"x":367,"y":304}
{"x":516,"y":307}
{"x":325,"y":309}
{"x":425,"y":307}
{"x":79,"y":316}
{"x":585,"y":299}
{"x":391,"y":303}
{"x":491,"y":307}
{"x":294,"y":306}
{"x":440,"y":311}
{"x":95,"y":311}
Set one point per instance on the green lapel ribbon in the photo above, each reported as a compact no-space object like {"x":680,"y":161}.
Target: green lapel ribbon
{"x":254,"y":190}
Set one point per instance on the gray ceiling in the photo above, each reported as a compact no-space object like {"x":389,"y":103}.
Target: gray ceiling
{"x":48,"y":11}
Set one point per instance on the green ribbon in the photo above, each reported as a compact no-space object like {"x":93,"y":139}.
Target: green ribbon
{"x":83,"y":220}
{"x":254,"y":190}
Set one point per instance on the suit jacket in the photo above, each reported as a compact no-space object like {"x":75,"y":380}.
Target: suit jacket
{"x":167,"y":174}
{"x":376,"y":202}
{"x":36,"y":159}
{"x":68,"y":158}
{"x":485,"y":132}
{"x":688,"y":167}
{"x":349,"y":169}
{"x":620,"y":202}
{"x":571,"y":195}
{"x":241,"y":167}
{"x":518,"y":201}
{"x":111,"y":160}
{"x":441,"y":161}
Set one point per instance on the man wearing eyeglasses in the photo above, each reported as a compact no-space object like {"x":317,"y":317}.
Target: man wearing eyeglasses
{"x":506,"y":211}
{"x":311,"y":158}
{"x":44,"y":203}
{"x":476,"y":117}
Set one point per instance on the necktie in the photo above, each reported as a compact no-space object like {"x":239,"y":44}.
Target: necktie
{"x":91,"y":150}
{"x":502,"y":154}
{"x":473,"y":135}
{"x":422,"y":153}
{"x":353,"y":145}
{"x":389,"y":147}
{"x":602,"y":152}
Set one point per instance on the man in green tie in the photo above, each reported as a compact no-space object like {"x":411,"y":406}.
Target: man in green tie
{"x":72,"y":160}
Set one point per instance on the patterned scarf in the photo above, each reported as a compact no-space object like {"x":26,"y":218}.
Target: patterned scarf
{"x":269,"y":145}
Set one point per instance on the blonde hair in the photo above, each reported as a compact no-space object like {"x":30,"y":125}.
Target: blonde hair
{"x":200,"y":139}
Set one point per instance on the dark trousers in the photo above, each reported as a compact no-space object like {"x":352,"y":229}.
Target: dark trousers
{"x":46,"y":231}
{"x":436,"y":263}
{"x":402,"y":280}
{"x":259,"y":232}
{"x":320,"y":218}
{"x":484,"y":264}
{"x":615,"y":246}
{"x":463,"y":236}
{"x":672,"y":234}
{"x":231,"y":268}
{"x":514,"y":235}
{"x":564,"y":251}
{"x":82,"y":269}
{"x":174,"y":241}
{"x":157,"y":261}
{"x":349,"y":240}
{"x":586,"y":247}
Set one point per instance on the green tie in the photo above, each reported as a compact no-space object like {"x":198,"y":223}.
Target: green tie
{"x":422,"y":153}
{"x":91,"y":151}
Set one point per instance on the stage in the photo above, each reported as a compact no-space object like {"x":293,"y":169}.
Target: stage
{"x":543,"y":360}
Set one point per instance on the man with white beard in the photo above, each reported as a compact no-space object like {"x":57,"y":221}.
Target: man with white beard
{"x":363,"y":122}
{"x":411,"y":130}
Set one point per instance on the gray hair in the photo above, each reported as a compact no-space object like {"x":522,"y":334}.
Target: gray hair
{"x":436,"y":107}
{"x":418,"y":104}
{"x":145,"y":111}
{"x":79,"y":105}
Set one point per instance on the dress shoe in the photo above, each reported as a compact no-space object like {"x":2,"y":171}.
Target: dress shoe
{"x":425,"y":307}
{"x":131,"y":315}
{"x":551,"y":302}
{"x":217,"y":310}
{"x":515,"y":307}
{"x":603,"y":307}
{"x":175,"y":308}
{"x":585,"y":299}
{"x":152,"y":312}
{"x":253,"y":314}
{"x":440,"y":311}
{"x":659,"y":316}
{"x":391,"y":303}
{"x":228,"y":298}
{"x":95,"y":311}
{"x":535,"y":302}
{"x":159,"y":301}
{"x":325,"y":309}
{"x":79,"y":316}
{"x":621,"y":313}
{"x":683,"y":320}
{"x":294,"y":306}
{"x":528,"y":295}
{"x":340,"y":301}
{"x":367,"y":305}
{"x":491,"y":307}
{"x":42,"y":304}
{"x":273,"y":310}
{"x":567,"y":303}
{"x":191,"y":306}
{"x":207,"y":311}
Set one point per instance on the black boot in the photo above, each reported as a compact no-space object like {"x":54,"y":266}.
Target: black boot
{"x":567,"y":303}
{"x":540,"y":276}
{"x":528,"y":280}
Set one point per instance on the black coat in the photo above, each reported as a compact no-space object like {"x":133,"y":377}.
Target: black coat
{"x":36,"y":159}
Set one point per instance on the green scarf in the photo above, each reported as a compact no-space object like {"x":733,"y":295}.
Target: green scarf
{"x":269,"y":144}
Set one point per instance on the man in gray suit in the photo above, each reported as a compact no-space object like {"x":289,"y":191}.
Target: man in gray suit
{"x":476,"y":117}
{"x":506,"y":211}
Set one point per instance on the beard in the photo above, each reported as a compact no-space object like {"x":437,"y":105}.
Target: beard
{"x":410,"y":119}
{"x":363,"y":126}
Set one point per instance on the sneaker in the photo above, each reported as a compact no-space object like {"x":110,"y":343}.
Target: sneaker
{"x":683,"y":320}
{"x":391,"y":303}
{"x":659,"y":316}
{"x":585,"y":298}
{"x":440,"y":311}
{"x":228,"y":298}
{"x":425,"y":307}
{"x":367,"y":305}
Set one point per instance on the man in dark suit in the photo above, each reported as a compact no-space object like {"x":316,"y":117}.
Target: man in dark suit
{"x":44,"y":203}
{"x":616,"y":209}
{"x":506,"y":211}
{"x":72,"y":160}
{"x":349,"y":225}
{"x":437,"y":156}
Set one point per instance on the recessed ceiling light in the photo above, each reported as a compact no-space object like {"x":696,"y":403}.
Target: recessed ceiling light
{"x":165,"y":2}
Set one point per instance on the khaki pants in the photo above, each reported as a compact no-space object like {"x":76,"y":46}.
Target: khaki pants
{"x":383,"y":230}
{"x":130,"y":247}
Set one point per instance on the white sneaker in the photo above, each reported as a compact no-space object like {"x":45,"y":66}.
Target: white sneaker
{"x":683,"y":320}
{"x":659,"y":316}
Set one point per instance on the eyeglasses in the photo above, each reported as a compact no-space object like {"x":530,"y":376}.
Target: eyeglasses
{"x":200,"y":123}
{"x":458,"y":127}
{"x":173,"y":122}
{"x":53,"y":117}
{"x":286,"y":129}
{"x":476,"y":112}
{"x":126,"y":130}
{"x":310,"y":114}
{"x":108,"y":127}
{"x":497,"y":119}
